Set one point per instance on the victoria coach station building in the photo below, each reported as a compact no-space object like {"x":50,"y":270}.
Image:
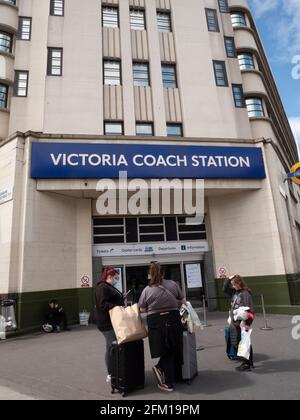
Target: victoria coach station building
{"x":157,"y":89}
{"x":54,"y":243}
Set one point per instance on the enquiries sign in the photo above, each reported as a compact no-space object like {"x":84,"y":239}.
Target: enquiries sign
{"x":78,"y":160}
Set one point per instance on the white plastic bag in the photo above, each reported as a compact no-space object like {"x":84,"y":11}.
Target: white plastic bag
{"x":190,"y":318}
{"x":244,"y":349}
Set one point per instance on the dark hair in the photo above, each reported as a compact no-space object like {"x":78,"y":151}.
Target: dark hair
{"x":156,"y":274}
{"x":107,"y":272}
{"x":53,"y":301}
{"x":241,"y":282}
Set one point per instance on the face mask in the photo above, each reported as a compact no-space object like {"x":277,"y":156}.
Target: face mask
{"x":115,"y":281}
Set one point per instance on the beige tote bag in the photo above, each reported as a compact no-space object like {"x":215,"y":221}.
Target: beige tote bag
{"x":127,"y":323}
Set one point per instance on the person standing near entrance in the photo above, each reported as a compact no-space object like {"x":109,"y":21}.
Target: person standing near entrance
{"x":161,"y":301}
{"x":107,"y":297}
{"x":241,"y":297}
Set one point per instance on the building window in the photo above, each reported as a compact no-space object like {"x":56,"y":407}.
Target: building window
{"x":174,"y":130}
{"x":212,"y":20}
{"x":238,"y":20}
{"x":230,"y":47}
{"x":21,"y":83}
{"x":3,"y":95}
{"x":113,"y":128}
{"x":141,"y":75}
{"x":255,"y":107}
{"x":223,"y":6}
{"x":6,"y":41}
{"x":109,"y":231}
{"x":112,"y":72}
{"x":246,"y":61}
{"x":220,"y":73}
{"x":238,"y":95}
{"x":169,"y":76}
{"x":137,"y":19}
{"x":11,"y":2}
{"x":144,"y":129}
{"x":55,"y":61}
{"x":164,"y":22}
{"x":57,"y":7}
{"x":110,"y":17}
{"x":190,"y":232}
{"x":24,"y":30}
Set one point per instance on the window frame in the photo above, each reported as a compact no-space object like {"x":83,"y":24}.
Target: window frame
{"x":236,"y":23}
{"x":179,"y":125}
{"x":136,"y":79}
{"x":141,"y":123}
{"x":255,"y":98}
{"x":20,"y":34}
{"x":243,"y":63}
{"x":223,"y":63}
{"x":50,"y":61}
{"x":53,"y":8}
{"x":223,"y":6}
{"x":231,"y":38}
{"x":242,"y":100}
{"x":11,"y":41}
{"x":105,"y":78}
{"x":216,"y":20}
{"x":137,"y":27}
{"x":170,"y":65}
{"x":113,"y":7}
{"x":160,"y":27}
{"x":5,"y":92}
{"x":17,"y":82}
{"x":113,"y":122}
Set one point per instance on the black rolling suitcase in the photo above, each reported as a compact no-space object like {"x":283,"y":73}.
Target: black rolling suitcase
{"x":128,"y":367}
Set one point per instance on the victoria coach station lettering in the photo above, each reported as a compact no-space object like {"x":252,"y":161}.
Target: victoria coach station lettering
{"x":148,"y":160}
{"x":79,"y":160}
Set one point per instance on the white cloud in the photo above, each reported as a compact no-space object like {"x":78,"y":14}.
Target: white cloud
{"x":282,"y":18}
{"x":295,"y":124}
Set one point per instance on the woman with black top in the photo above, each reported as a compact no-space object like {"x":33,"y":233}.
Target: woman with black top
{"x":107,"y":297}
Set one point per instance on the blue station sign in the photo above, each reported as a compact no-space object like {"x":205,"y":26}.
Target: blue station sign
{"x":97,"y":161}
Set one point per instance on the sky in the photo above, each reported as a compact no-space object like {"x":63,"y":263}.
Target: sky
{"x":278,"y":23}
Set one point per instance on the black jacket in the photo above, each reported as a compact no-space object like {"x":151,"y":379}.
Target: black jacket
{"x":107,"y":297}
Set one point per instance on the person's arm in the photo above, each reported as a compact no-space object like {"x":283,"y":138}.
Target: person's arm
{"x":103,"y":299}
{"x":142,"y":302}
{"x":180,"y":297}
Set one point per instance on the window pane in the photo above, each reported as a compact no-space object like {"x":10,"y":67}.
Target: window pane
{"x":141,"y":74}
{"x":255,"y":107}
{"x":238,"y":19}
{"x":238,"y":96}
{"x":144,"y":129}
{"x":24,"y":32}
{"x":137,"y":20}
{"x":212,"y":20}
{"x":5,"y":42}
{"x":110,"y":17}
{"x":55,"y":62}
{"x":112,"y":73}
{"x":246,"y":61}
{"x":113,"y":128}
{"x":3,"y":95}
{"x":164,"y":22}
{"x":169,"y":76}
{"x":174,"y":130}
{"x":21,"y":83}
{"x":230,"y":47}
{"x":57,"y":7}
{"x":223,"y":6}
{"x":220,"y":73}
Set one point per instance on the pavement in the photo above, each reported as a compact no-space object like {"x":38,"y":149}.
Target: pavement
{"x":70,"y":366}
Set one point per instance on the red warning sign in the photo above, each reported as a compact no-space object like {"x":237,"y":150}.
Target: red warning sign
{"x":85,"y":282}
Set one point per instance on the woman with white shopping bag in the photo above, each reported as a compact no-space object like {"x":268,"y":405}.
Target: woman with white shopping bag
{"x":240,"y":320}
{"x":107,"y":298}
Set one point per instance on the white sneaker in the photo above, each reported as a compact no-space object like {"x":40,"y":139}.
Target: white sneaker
{"x":108,"y":379}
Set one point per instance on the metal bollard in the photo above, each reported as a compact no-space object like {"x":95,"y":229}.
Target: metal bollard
{"x":266,"y":327}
